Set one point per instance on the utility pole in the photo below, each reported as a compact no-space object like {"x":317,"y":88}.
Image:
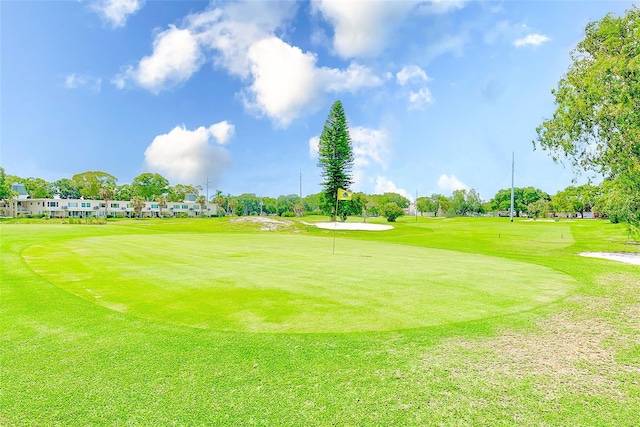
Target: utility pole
{"x":415,"y":205}
{"x":207,"y":189}
{"x":300,"y":185}
{"x":513,"y":163}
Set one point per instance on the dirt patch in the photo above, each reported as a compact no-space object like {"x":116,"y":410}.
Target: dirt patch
{"x":267,"y":224}
{"x":573,"y":351}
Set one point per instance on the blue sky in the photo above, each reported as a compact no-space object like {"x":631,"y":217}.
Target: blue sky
{"x":438,"y":94}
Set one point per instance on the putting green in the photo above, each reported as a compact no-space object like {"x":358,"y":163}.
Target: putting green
{"x":288,"y":283}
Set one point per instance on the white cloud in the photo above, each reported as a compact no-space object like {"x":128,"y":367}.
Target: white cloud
{"x":189,"y":155}
{"x":240,"y":38}
{"x":75,"y":81}
{"x":370,"y":145}
{"x":411,"y":73}
{"x":222,"y":131}
{"x":518,"y":35}
{"x":231,"y":30}
{"x":449,"y":183}
{"x":384,"y":185}
{"x":116,"y":12}
{"x":176,"y":56}
{"x":361,"y":28}
{"x":353,"y":78}
{"x":291,"y":86}
{"x":531,"y":40}
{"x":441,"y":6}
{"x":313,"y":147}
{"x":419,"y":96}
{"x":418,"y":100}
{"x":283,"y":88}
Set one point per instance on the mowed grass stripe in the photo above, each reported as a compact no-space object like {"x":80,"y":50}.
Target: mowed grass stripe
{"x":291,"y":283}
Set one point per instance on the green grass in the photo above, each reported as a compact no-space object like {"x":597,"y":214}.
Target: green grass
{"x":211,"y":322}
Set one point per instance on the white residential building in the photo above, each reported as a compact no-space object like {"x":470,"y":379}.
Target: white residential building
{"x":81,"y":208}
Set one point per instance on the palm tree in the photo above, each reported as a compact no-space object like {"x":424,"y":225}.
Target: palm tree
{"x":106,"y":194}
{"x":137,"y":203}
{"x":202,"y":201}
{"x":162,"y":201}
{"x":232,"y":203}
{"x":219,"y":200}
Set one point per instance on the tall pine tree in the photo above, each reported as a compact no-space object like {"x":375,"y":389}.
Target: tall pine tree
{"x":335,"y":158}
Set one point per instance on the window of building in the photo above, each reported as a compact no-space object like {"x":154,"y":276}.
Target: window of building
{"x":154,"y":206}
{"x":185,"y":207}
{"x":72,"y":204}
{"x":115,"y":205}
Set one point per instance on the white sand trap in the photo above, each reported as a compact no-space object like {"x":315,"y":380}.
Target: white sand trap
{"x":352,"y":226}
{"x":626,"y":257}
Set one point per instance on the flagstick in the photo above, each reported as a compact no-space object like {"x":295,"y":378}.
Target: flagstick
{"x":335,"y":224}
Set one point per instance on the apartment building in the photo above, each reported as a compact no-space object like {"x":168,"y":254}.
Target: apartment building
{"x":81,"y":208}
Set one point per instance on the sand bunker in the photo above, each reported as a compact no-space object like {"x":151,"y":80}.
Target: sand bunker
{"x":626,"y":257}
{"x":352,"y":226}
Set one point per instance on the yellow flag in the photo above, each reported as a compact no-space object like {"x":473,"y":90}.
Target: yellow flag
{"x":344,"y":194}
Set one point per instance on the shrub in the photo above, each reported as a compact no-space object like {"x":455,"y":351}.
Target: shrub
{"x":391,"y":211}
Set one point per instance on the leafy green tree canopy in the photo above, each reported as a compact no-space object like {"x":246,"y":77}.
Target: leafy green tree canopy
{"x":5,"y":186}
{"x":91,"y":182}
{"x":150,"y":185}
{"x":66,"y":189}
{"x":597,"y":121}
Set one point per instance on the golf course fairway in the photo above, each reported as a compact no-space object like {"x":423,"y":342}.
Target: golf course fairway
{"x":290,"y":283}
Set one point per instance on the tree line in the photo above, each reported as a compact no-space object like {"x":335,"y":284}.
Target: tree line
{"x":604,"y":199}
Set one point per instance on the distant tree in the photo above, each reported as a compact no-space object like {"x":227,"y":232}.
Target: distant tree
{"x":596,"y":124}
{"x":312,"y":202}
{"x":232,"y":204}
{"x":106,"y":194}
{"x":150,"y":185}
{"x":249,"y":203}
{"x":444,"y":204}
{"x":392,"y":211}
{"x":298,"y":209}
{"x":358,"y":205}
{"x":89,"y":183}
{"x":65,"y":189}
{"x":270,"y":205}
{"x":162,"y":202}
{"x":5,"y":186}
{"x":138,"y":204}
{"x":335,"y":158}
{"x":523,"y":197}
{"x":540,"y":207}
{"x":614,"y":203}
{"x":7,"y":195}
{"x":426,"y":204}
{"x":396,"y":198}
{"x":37,"y":188}
{"x":202,"y":201}
{"x":220,"y":201}
{"x":458,"y":202}
{"x":178,"y":192}
{"x":474,"y":202}
{"x":123,"y":192}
